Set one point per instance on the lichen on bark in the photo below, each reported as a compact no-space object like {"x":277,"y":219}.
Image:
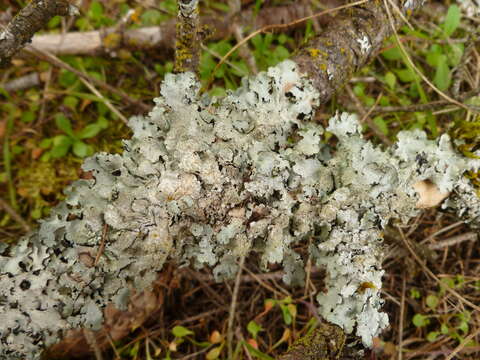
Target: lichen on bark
{"x":27,"y":22}
{"x":204,"y":181}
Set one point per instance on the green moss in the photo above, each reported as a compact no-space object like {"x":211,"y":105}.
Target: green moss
{"x":324,"y":343}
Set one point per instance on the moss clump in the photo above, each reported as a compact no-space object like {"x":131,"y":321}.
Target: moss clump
{"x":324,"y":343}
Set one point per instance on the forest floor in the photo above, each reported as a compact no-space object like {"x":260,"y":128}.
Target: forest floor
{"x":49,"y":125}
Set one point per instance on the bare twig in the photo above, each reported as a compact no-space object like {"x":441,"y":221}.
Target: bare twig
{"x":57,"y":62}
{"x":23,"y":82}
{"x":454,"y":240}
{"x":366,"y":115}
{"x":27,"y":22}
{"x":233,"y":305}
{"x":400,"y":322}
{"x":92,"y":342}
{"x":101,"y":248}
{"x":107,"y":102}
{"x":432,"y":275}
{"x":15,"y":215}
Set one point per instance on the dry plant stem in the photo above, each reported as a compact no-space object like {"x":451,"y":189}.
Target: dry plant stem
{"x":233,"y":306}
{"x":92,"y":342}
{"x":11,"y":211}
{"x":187,"y":46}
{"x":107,"y":102}
{"x":366,"y":115}
{"x":463,"y":344}
{"x":431,"y":274}
{"x":454,"y":240}
{"x":244,"y":51}
{"x":163,"y":36}
{"x":346,"y":46}
{"x":57,"y":62}
{"x":391,"y":20}
{"x":27,"y":22}
{"x":102,"y":245}
{"x":400,"y":322}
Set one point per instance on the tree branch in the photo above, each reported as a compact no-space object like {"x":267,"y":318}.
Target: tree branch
{"x":347,"y":44}
{"x":187,"y":46}
{"x":27,"y":22}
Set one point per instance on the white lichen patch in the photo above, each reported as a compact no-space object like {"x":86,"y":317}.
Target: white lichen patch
{"x":470,"y":7}
{"x":364,"y":44}
{"x":205,"y":182}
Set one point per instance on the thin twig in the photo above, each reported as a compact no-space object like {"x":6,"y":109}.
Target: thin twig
{"x":101,"y":248}
{"x":432,"y":275}
{"x":11,"y":211}
{"x":462,"y":344}
{"x":412,"y":64}
{"x":454,"y":240}
{"x":366,"y":115}
{"x":233,"y":305}
{"x":92,"y":342}
{"x":400,"y":322}
{"x":107,"y":102}
{"x":57,"y":62}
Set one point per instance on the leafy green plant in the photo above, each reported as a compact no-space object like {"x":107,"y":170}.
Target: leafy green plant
{"x":70,"y":140}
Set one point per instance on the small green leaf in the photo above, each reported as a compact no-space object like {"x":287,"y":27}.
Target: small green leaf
{"x":390,"y":80}
{"x":452,"y":20}
{"x":257,"y":353}
{"x":45,"y":143}
{"x":80,"y":149}
{"x":406,"y":75}
{"x":28,"y":116}
{"x":63,"y":123}
{"x":54,"y":22}
{"x":432,"y":336}
{"x":180,"y":331}
{"x":89,"y":131}
{"x":214,"y":353}
{"x":71,"y":102}
{"x":61,"y":145}
{"x":463,"y":326}
{"x":444,"y":329}
{"x":253,"y":328}
{"x":381,"y":124}
{"x":442,"y":77}
{"x":420,"y":320}
{"x":96,"y":10}
{"x":415,"y":294}
{"x":432,"y":301}
{"x":287,"y":317}
{"x":67,"y":78}
{"x":392,"y":54}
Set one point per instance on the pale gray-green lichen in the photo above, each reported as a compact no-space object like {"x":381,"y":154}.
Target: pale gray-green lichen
{"x":204,"y":182}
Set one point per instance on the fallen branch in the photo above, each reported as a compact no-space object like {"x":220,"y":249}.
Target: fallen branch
{"x":160,"y":37}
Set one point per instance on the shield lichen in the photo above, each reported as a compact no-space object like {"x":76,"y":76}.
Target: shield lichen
{"x":204,"y":182}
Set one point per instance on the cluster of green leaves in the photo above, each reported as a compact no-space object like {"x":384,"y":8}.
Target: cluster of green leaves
{"x":70,"y":140}
{"x":436,"y":324}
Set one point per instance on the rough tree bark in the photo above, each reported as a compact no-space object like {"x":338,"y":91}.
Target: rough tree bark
{"x":206,"y":181}
{"x":27,"y":22}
